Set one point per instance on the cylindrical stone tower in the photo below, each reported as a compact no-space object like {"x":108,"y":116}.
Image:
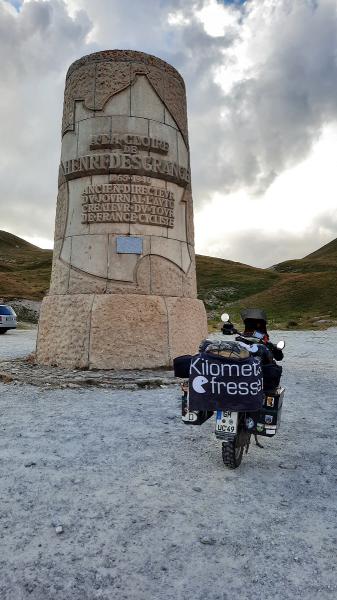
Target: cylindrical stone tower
{"x":123,"y":285}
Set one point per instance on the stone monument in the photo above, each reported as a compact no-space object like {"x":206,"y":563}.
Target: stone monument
{"x":123,"y":285}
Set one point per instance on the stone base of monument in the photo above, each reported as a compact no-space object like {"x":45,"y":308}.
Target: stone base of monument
{"x":118,"y":331}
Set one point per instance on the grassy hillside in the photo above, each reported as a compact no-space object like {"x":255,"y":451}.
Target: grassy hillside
{"x":24,"y":268}
{"x":296,"y":294}
{"x":221,"y":281}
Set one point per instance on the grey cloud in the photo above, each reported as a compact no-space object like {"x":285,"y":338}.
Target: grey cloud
{"x":242,"y":139}
{"x":275,"y":113}
{"x":270,"y":249}
{"x":40,"y":39}
{"x":275,"y":117}
{"x":36,"y":47}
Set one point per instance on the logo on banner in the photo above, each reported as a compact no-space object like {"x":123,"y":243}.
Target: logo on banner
{"x":197,"y":384}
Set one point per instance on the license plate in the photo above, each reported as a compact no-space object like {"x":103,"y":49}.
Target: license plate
{"x":226,"y":421}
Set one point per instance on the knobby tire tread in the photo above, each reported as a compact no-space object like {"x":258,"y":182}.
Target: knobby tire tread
{"x":228,"y":455}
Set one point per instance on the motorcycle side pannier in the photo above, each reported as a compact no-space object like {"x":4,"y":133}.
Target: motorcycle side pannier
{"x":181,"y":366}
{"x":267,"y":420}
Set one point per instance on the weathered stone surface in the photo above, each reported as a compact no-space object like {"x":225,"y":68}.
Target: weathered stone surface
{"x":186,"y":257}
{"x":169,"y":120}
{"x":182,"y":151}
{"x":119,"y":104}
{"x":144,"y":100}
{"x":89,"y":253}
{"x":90,"y":127}
{"x":178,"y":232}
{"x":82,"y":283}
{"x":187,"y":325}
{"x":112,"y":71}
{"x":168,"y":248}
{"x":69,"y":144}
{"x":61,"y":212}
{"x":123,"y":267}
{"x":189,"y":216}
{"x":166,"y":277}
{"x":81,"y":85}
{"x":175,"y":100}
{"x":60,"y":270}
{"x":169,"y":134}
{"x":118,"y":331}
{"x":64,"y":327}
{"x":141,"y":283}
{"x":111,"y":78}
{"x":190,"y":282}
{"x":74,"y":224}
{"x":81,"y":112}
{"x":128,"y":332}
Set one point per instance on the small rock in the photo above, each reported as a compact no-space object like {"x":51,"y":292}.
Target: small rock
{"x":6,"y":378}
{"x":197,"y":489}
{"x":31,"y":463}
{"x":59,"y":529}
{"x":209,"y":541}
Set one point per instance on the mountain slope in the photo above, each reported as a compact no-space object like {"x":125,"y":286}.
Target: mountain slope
{"x":221,"y":281}
{"x":322,"y":260}
{"x":298,"y":293}
{"x":24,"y":268}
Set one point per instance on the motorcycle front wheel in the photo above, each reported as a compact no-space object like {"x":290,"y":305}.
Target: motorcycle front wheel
{"x":232,"y":453}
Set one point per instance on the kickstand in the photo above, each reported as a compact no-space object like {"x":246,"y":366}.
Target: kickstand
{"x":257,"y":442}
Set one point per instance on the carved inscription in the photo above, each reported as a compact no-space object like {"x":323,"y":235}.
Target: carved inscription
{"x":116,"y":162}
{"x":128,"y":141}
{"x":125,"y":200}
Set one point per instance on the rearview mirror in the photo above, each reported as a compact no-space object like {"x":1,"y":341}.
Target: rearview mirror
{"x":225,"y":317}
{"x":280,"y":345}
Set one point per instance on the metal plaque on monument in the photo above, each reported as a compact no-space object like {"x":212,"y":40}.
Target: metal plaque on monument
{"x":123,"y":285}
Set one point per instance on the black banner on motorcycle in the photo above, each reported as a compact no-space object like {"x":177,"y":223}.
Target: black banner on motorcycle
{"x":219,"y":383}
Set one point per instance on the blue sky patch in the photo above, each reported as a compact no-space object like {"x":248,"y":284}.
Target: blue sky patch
{"x":234,"y":1}
{"x":16,"y":3}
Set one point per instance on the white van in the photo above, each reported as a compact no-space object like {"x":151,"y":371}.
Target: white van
{"x":7,"y":318}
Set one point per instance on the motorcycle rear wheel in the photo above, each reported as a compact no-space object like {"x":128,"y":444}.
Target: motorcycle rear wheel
{"x":232,"y":453}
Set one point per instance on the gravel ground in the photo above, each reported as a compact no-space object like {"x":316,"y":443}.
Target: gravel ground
{"x":147,"y":507}
{"x":17,"y":343}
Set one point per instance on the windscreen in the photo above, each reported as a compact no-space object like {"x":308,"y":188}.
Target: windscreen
{"x":6,"y":310}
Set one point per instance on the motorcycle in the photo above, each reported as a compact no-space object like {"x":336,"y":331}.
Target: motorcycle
{"x":234,"y":428}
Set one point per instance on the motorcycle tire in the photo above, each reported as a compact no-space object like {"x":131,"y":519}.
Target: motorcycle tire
{"x":232,"y":453}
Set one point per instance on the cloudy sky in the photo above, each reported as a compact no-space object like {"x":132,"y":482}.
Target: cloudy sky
{"x":261,"y":79}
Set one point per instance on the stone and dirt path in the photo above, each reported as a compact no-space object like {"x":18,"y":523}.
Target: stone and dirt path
{"x":147,"y":509}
